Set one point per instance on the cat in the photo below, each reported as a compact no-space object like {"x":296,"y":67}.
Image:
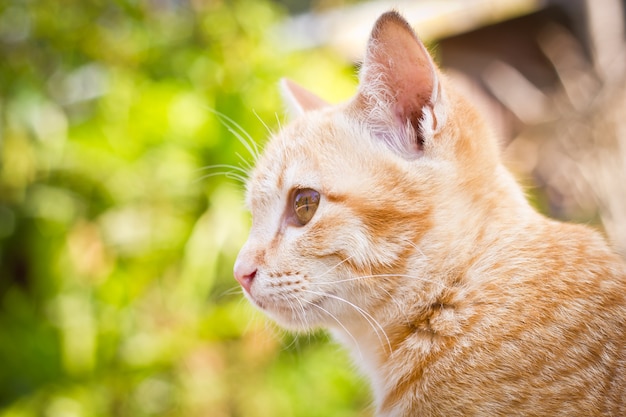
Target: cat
{"x":391,"y":221}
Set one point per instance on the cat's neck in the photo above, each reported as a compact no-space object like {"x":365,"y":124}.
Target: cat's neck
{"x":431,"y":298}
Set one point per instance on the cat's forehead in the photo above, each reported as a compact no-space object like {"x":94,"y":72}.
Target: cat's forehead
{"x":303,"y":154}
{"x":312,"y":134}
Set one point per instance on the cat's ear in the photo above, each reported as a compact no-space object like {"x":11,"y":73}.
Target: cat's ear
{"x":298,"y":99}
{"x":399,"y":86}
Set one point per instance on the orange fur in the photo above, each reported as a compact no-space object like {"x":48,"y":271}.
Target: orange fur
{"x":425,"y":259}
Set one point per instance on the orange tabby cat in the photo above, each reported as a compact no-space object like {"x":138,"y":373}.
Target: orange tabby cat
{"x":391,"y":220}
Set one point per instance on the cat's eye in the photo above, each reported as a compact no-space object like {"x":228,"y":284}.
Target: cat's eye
{"x":305,"y":202}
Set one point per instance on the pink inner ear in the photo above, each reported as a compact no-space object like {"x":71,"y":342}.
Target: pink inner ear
{"x":399,"y":75}
{"x":397,"y":56}
{"x":302,"y":98}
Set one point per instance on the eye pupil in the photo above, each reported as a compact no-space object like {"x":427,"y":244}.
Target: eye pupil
{"x":305,"y":203}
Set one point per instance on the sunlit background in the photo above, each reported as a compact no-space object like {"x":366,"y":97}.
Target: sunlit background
{"x":119,"y":222}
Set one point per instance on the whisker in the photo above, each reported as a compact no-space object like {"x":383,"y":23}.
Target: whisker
{"x":367,"y":316}
{"x":350,"y":279}
{"x":441,"y":284}
{"x":365,"y":277}
{"x":239,"y":132}
{"x":229,"y":175}
{"x":269,"y":131}
{"x":412,"y":244}
{"x":236,"y":173}
{"x":219,"y":166}
{"x":360,"y":277}
{"x":338,"y":322}
{"x":300,"y":313}
{"x":280,"y":127}
{"x":248,"y":166}
{"x":293,"y":344}
{"x":301,"y":316}
{"x":333,"y":267}
{"x":252,"y":319}
{"x":233,"y":290}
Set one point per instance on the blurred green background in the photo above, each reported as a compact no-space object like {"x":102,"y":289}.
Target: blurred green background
{"x":119,"y":223}
{"x":116,"y":240}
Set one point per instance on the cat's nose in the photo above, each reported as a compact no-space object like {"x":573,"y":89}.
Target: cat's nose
{"x":244,"y":274}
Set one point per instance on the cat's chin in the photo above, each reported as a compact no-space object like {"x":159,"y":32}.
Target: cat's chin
{"x":290,"y":320}
{"x":286,"y":317}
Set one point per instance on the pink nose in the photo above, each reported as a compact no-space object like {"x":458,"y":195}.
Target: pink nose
{"x":244,"y":274}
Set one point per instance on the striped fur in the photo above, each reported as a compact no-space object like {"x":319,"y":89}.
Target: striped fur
{"x":425,"y":259}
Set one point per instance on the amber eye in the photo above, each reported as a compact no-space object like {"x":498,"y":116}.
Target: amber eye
{"x":305,"y":202}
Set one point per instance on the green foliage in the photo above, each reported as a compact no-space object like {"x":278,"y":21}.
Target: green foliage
{"x":116,"y":243}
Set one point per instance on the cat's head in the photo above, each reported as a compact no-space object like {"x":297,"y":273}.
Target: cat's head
{"x":349,"y":200}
